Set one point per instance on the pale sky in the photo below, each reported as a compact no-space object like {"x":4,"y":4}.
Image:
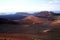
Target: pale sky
{"x":29,"y":5}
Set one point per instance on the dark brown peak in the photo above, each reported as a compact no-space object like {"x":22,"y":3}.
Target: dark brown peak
{"x":47,"y":12}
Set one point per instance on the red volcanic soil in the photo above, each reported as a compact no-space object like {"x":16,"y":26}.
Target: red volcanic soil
{"x":33,"y":19}
{"x":14,"y":37}
{"x":55,"y":23}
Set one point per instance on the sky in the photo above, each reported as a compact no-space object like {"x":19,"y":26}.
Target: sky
{"x":29,"y":5}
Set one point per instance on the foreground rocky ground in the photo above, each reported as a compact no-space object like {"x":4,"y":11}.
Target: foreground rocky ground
{"x":31,"y":28}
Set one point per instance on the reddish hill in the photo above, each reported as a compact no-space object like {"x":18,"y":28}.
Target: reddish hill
{"x":33,"y":19}
{"x":55,"y":23}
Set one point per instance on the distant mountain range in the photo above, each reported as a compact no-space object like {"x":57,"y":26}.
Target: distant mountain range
{"x":20,"y":15}
{"x":12,"y":17}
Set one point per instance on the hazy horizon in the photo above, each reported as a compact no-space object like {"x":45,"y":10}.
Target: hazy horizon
{"x":29,"y":5}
